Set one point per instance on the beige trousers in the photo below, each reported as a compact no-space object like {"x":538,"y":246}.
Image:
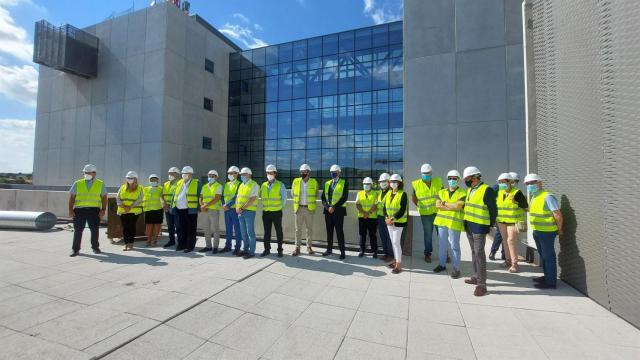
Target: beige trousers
{"x":304,"y":217}
{"x":211,"y":223}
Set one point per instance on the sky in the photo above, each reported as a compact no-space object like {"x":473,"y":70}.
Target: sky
{"x":249,"y":23}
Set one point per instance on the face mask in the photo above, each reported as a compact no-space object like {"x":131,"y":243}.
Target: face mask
{"x":366,"y":187}
{"x":532,"y":188}
{"x":185,"y":177}
{"x":469,"y":183}
{"x":88,"y":177}
{"x":394,"y":185}
{"x":503,"y":186}
{"x":243,"y":178}
{"x":453,"y":183}
{"x":304,"y":175}
{"x":212,"y":180}
{"x":231,"y":177}
{"x":172,"y":177}
{"x":153,"y":183}
{"x":271,"y":177}
{"x":334,"y":175}
{"x":130,"y":181}
{"x":426,"y":177}
{"x":384,"y":185}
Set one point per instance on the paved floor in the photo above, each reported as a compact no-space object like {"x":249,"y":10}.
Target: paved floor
{"x":159,"y":304}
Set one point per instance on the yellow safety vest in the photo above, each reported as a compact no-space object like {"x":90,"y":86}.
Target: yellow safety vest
{"x":508,"y":210}
{"x":451,"y":219}
{"x":127,"y":198}
{"x":208,"y":193}
{"x":192,"y":194}
{"x":244,"y":193}
{"x":230,"y":190}
{"x":539,"y":218}
{"x":366,"y":201}
{"x":88,"y":197}
{"x":168,"y":189}
{"x":337,"y":191}
{"x":475,"y":210}
{"x":427,"y":195}
{"x":151,"y":198}
{"x":381,"y":195}
{"x":271,"y":200}
{"x":392,"y":203}
{"x":312,"y":193}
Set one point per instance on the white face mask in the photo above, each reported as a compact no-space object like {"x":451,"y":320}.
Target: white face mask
{"x":366,"y":187}
{"x":172,"y":177}
{"x":212,"y":180}
{"x":88,"y":177}
{"x":185,"y":177}
{"x":130,"y":181}
{"x":394,"y":185}
{"x":384,"y":185}
{"x":271,"y":177}
{"x":231,"y":177}
{"x":154,"y":183}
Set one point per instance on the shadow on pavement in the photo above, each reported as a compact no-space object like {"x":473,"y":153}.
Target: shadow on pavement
{"x":126,"y":259}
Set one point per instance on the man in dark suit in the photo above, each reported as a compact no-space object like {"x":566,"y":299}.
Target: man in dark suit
{"x":334,"y":198}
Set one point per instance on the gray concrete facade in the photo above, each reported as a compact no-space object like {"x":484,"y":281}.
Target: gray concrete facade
{"x":144,"y":111}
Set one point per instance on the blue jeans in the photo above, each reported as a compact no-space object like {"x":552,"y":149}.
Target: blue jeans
{"x":497,"y":240}
{"x":232,"y":226}
{"x":427,"y":228}
{"x":545,"y":242}
{"x":385,"y":239}
{"x":171,"y":226}
{"x":247,"y":228}
{"x":450,"y":238}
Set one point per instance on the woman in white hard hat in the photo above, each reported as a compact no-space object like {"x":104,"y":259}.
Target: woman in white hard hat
{"x":367,"y":217}
{"x":511,"y":207}
{"x":450,"y":222}
{"x":396,"y":216}
{"x":387,"y":249}
{"x":153,"y":206}
{"x":129,"y":200}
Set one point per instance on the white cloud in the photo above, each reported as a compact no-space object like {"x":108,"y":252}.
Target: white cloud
{"x":16,"y":152}
{"x":13,"y":38}
{"x":243,"y":34}
{"x":389,"y":10}
{"x":19,"y":83}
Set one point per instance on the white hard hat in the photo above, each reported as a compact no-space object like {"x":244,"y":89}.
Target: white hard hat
{"x":212,"y":172}
{"x":305,"y":167}
{"x":233,"y":169}
{"x":153,"y":176}
{"x":132,"y":174}
{"x":187,"y":170}
{"x":395,"y":177}
{"x":89,"y":168}
{"x":246,"y":170}
{"x":384,"y":177}
{"x":271,"y":167}
{"x":335,"y":167}
{"x":367,"y":180}
{"x":426,"y":168}
{"x":452,"y":173}
{"x":471,"y":170}
{"x":174,"y":169}
{"x":514,"y":176}
{"x":532,"y":178}
{"x":505,"y":176}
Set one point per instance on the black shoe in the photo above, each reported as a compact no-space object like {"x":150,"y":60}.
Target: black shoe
{"x":187,"y":250}
{"x":239,"y":253}
{"x":455,"y":274}
{"x":235,"y":252}
{"x":342,"y":256}
{"x":265,"y":253}
{"x":503,"y":257}
{"x":492,"y":256}
{"x":169,"y":244}
{"x":439,"y":269}
{"x":215,"y":251}
{"x":248,"y":257}
{"x":279,"y":254}
{"x":74,"y":253}
{"x":204,"y":249}
{"x":97,"y":251}
{"x":538,"y":279}
{"x":375,"y":256}
{"x":179,"y":248}
{"x":361,"y":254}
{"x":224,"y":250}
{"x":327,"y":253}
{"x":544,"y":286}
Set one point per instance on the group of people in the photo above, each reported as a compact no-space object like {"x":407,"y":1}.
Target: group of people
{"x":382,"y":212}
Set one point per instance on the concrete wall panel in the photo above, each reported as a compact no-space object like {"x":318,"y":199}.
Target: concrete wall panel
{"x":84,"y":87}
{"x":484,"y":145}
{"x":130,"y":159}
{"x":151,"y":156}
{"x":134,"y":87}
{"x":55,"y":129}
{"x":8,"y":199}
{"x":154,"y":73}
{"x":83,"y":126}
{"x":479,"y":24}
{"x":132,"y":118}
{"x":115,"y":124}
{"x":156,"y":33}
{"x":113,"y":162}
{"x":438,"y":148}
{"x":41,"y":139}
{"x":515,"y":82}
{"x":117,"y":79}
{"x":119,"y":34}
{"x":151,"y":125}
{"x":137,"y":33}
{"x":432,"y":24}
{"x":98,"y":124}
{"x":68,"y":129}
{"x":174,"y":80}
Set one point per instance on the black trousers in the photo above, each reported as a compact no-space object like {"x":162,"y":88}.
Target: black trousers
{"x":335,"y":221}
{"x":129,"y":222}
{"x":274,"y":218}
{"x":82,"y":217}
{"x":186,"y":229}
{"x":368,"y":225}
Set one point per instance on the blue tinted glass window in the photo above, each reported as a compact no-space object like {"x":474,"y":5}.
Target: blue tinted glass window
{"x":395,"y":33}
{"x":284,"y":105}
{"x":300,"y":65}
{"x":329,"y":101}
{"x":381,"y":139}
{"x":363,"y":76}
{"x":271,"y":70}
{"x":314,"y":123}
{"x":330,"y":44}
{"x":299,"y":104}
{"x":395,"y":116}
{"x":314,"y":47}
{"x":329,"y":81}
{"x":315,"y":63}
{"x":285,"y":52}
{"x":314,"y":103}
{"x":284,"y":144}
{"x":314,"y":143}
{"x":259,"y":57}
{"x":380,"y":79}
{"x":285,"y":86}
{"x":272,"y":107}
{"x":395,"y":50}
{"x":285,"y":68}
{"x":272,"y":88}
{"x":329,"y":157}
{"x":380,"y":159}
{"x":395,"y":74}
{"x":396,"y":94}
{"x":300,"y":50}
{"x":345,"y":120}
{"x":346,"y":161}
{"x":346,"y":141}
{"x":330,"y":60}
{"x":314,"y":82}
{"x":345,"y":41}
{"x":272,"y":55}
{"x":299,"y":144}
{"x":271,"y":126}
{"x":346,"y":79}
{"x":363,"y":161}
{"x":246,"y":59}
{"x":329,"y":121}
{"x":329,"y":142}
{"x":299,"y":123}
{"x":379,"y":36}
{"x":284,"y":124}
{"x":299,"y":85}
{"x":380,"y":117}
{"x":363,"y":39}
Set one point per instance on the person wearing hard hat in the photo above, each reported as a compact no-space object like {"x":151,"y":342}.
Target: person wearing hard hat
{"x":246,"y":206}
{"x":425,"y":192}
{"x":511,"y":207}
{"x":210,"y":205}
{"x":367,"y":217}
{"x":546,"y":222}
{"x":129,"y":200}
{"x":480,"y":213}
{"x":87,"y":204}
{"x":497,"y":239}
{"x":450,"y":222}
{"x":387,"y":249}
{"x":168,"y":189}
{"x":152,"y":205}
{"x":304,"y":191}
{"x":396,"y":210}
{"x":273,"y":194}
{"x":186,"y":206}
{"x":231,"y":222}
{"x":334,"y":198}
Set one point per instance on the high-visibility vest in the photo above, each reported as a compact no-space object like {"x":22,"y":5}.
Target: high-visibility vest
{"x":337,"y":191}
{"x":392,"y":203}
{"x":208,"y":193}
{"x":508,"y":210}
{"x":271,"y":200}
{"x":230,"y":189}
{"x":127,"y":198}
{"x":539,"y":218}
{"x":312,"y":193}
{"x":451,"y":219}
{"x":380,"y":196}
{"x":151,"y":198}
{"x":192,"y":194}
{"x":86,"y":197}
{"x":427,"y":195}
{"x":366,"y":201}
{"x":168,"y":189}
{"x":244,"y":193}
{"x":475,"y":210}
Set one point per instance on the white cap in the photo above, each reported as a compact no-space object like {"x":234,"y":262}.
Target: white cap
{"x":132,"y":174}
{"x":305,"y":167}
{"x":174,"y":169}
{"x":212,"y":172}
{"x":233,"y":169}
{"x":471,"y":170}
{"x":367,"y":180}
{"x":384,"y":177}
{"x":514,"y":176}
{"x":153,"y":176}
{"x":532,"y":178}
{"x":426,"y":168}
{"x":270,"y":168}
{"x":89,"y":168}
{"x":246,"y":170}
{"x":335,"y":167}
{"x":505,"y":176}
{"x":187,"y":170}
{"x":395,"y":177}
{"x":453,"y":173}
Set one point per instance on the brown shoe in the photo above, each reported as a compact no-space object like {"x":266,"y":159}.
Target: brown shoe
{"x":506,"y":264}
{"x":471,"y":281}
{"x":296,"y":252}
{"x":310,"y":250}
{"x":481,"y":290}
{"x":448,"y":259}
{"x":427,"y":258}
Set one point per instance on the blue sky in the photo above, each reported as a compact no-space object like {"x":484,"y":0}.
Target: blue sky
{"x":249,"y":23}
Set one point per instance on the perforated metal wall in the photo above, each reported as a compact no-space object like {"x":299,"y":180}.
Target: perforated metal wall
{"x":585,"y":57}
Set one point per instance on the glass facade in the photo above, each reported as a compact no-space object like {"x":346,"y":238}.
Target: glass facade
{"x":333,"y":99}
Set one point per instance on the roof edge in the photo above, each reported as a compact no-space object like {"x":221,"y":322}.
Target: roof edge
{"x":216,"y":32}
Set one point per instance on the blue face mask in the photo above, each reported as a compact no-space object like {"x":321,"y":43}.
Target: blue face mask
{"x":426,"y":177}
{"x":334,"y":175}
{"x":532,"y":188}
{"x":243,"y":178}
{"x":503,"y":186}
{"x":453,"y":183}
{"x":212,"y":180}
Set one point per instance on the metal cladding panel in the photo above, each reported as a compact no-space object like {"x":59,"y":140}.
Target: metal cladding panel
{"x":66,"y":48}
